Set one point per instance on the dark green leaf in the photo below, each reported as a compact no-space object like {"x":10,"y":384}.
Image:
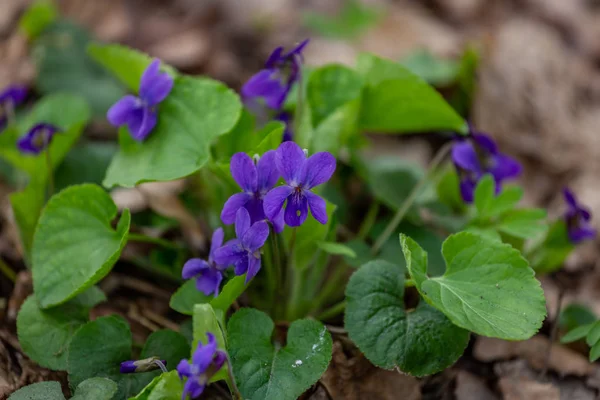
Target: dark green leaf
{"x":577,"y":334}
{"x":96,"y":389}
{"x":74,"y":245}
{"x":267,"y":372}
{"x":337,"y":249}
{"x":166,"y":345}
{"x":87,"y":163}
{"x":420,"y":342}
{"x":575,"y":315}
{"x":593,"y":335}
{"x":39,"y":391}
{"x":184,"y":299}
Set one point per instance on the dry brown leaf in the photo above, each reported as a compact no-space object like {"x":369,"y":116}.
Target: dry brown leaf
{"x":471,"y":387}
{"x":525,"y":389}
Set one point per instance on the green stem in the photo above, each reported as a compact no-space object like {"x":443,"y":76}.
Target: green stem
{"x":332,"y":311}
{"x":299,"y":100}
{"x":391,"y":227}
{"x":137,"y":237}
{"x":369,"y":221}
{"x":409,"y":283}
{"x":270,"y":271}
{"x":333,"y":284}
{"x":231,"y":381}
{"x":50,"y":171}
{"x":8,"y":271}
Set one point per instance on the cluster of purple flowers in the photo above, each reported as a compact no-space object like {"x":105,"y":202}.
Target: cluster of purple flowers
{"x":259,"y":203}
{"x":206,"y":361}
{"x":266,"y":91}
{"x":577,"y":217}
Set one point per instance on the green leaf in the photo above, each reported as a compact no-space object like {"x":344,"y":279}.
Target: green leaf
{"x":27,"y":206}
{"x":167,"y":345}
{"x":554,"y":250}
{"x":229,"y":294}
{"x":488,"y":287}
{"x":37,"y":17}
{"x":574,"y":315}
{"x":95,"y":388}
{"x":126,"y":64}
{"x":362,"y":251}
{"x":432,"y":69}
{"x":593,"y":335}
{"x":206,"y":320}
{"x":184,"y":299}
{"x":63,"y":66}
{"x":45,"y":335}
{"x":39,"y":391}
{"x":525,"y":223}
{"x":337,"y":130}
{"x":420,"y":342}
{"x":329,"y":88}
{"x":484,"y":194}
{"x":267,"y":372}
{"x":74,"y":245}
{"x":577,"y":334}
{"x":164,"y":387}
{"x":417,"y":106}
{"x":353,"y":19}
{"x":270,"y":138}
{"x":505,"y":201}
{"x":97,"y":350}
{"x":180,"y":143}
{"x":337,"y":249}
{"x":69,"y":112}
{"x":595,"y":352}
{"x":86,"y":163}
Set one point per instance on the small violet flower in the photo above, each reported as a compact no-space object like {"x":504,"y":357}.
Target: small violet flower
{"x":10,"y":97}
{"x":37,"y":139}
{"x":301,"y":175}
{"x":145,"y":365}
{"x":208,"y":274}
{"x":139,"y":113}
{"x":255,"y":180}
{"x":206,"y":362}
{"x":273,"y":83}
{"x":244,"y":252}
{"x":478,"y":155}
{"x":577,"y":219}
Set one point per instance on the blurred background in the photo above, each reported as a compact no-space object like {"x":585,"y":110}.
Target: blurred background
{"x":525,"y":71}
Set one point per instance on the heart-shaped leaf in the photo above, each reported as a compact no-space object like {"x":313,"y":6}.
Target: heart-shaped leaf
{"x":488,"y":287}
{"x":74,"y":245}
{"x":95,"y":388}
{"x":195,"y":112}
{"x":45,"y":335}
{"x":264,"y":371}
{"x":416,"y":106}
{"x":39,"y":391}
{"x":419,"y":342}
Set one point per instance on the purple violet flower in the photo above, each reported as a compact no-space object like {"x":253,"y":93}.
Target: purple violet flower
{"x":208,"y":274}
{"x":577,"y":219}
{"x":301,"y":175}
{"x":139,"y":113}
{"x":478,"y":155}
{"x":244,"y":252}
{"x":288,"y":134}
{"x":10,"y":97}
{"x":145,"y":365}
{"x":206,"y":361}
{"x":37,"y":139}
{"x":255,"y":180}
{"x":273,"y":83}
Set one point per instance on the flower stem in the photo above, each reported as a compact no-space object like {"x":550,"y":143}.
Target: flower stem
{"x":369,"y":221}
{"x":391,"y":227}
{"x":50,"y":171}
{"x":231,"y":381}
{"x":332,"y":311}
{"x":136,"y":237}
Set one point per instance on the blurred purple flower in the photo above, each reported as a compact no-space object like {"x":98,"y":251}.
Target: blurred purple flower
{"x":145,"y":365}
{"x":208,"y":274}
{"x":10,"y":97}
{"x":288,"y":134}
{"x":139,"y":113}
{"x":301,"y":175}
{"x":244,"y":252}
{"x":206,"y":362}
{"x":577,"y":219}
{"x":273,"y":83}
{"x":37,"y":139}
{"x":255,"y":180}
{"x":478,"y":155}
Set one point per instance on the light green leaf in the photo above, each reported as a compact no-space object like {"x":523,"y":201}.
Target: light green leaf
{"x":505,"y":201}
{"x":420,"y":342}
{"x":64,"y":66}
{"x":195,"y":112}
{"x":595,"y":352}
{"x":337,"y":129}
{"x":264,"y":371}
{"x":74,"y":245}
{"x":164,"y":387}
{"x":554,"y":250}
{"x":97,"y":350}
{"x":270,"y":138}
{"x":45,"y":335}
{"x":96,"y":389}
{"x":337,"y":249}
{"x":229,"y":294}
{"x":417,"y":106}
{"x":593,"y":335}
{"x":27,"y":206}
{"x":206,"y":320}
{"x":525,"y":223}
{"x":577,"y":334}
{"x":329,"y":88}
{"x":488,"y":287}
{"x":432,"y":69}
{"x":484,"y":194}
{"x":184,"y":299}
{"x":39,"y":391}
{"x":37,"y":17}
{"x":126,"y":64}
